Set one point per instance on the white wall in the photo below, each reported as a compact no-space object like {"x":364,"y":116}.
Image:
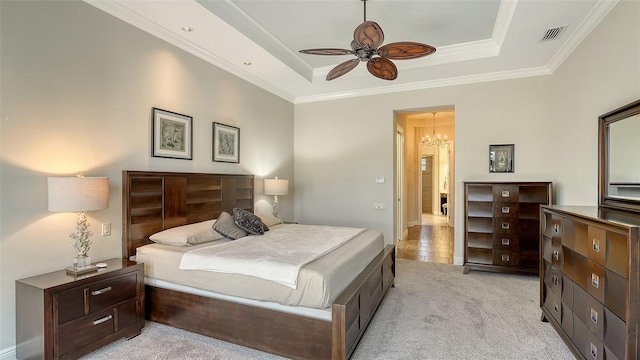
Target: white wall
{"x":341,"y":145}
{"x":78,"y":86}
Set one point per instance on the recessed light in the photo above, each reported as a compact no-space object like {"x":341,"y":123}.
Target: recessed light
{"x":187,"y":29}
{"x":248,"y":63}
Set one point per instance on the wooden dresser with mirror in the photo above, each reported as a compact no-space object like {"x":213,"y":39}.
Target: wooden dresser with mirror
{"x":589,"y":265}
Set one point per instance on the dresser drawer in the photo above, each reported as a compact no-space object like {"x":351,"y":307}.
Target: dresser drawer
{"x":505,"y":192}
{"x":79,"y":301}
{"x":505,"y":209}
{"x":553,"y":304}
{"x":614,"y":334}
{"x":71,"y":304}
{"x":505,"y":226}
{"x":617,"y":259}
{"x":567,"y":319}
{"x":505,"y":242}
{"x":580,"y":335}
{"x":596,"y":244}
{"x":594,"y":348}
{"x":553,"y":279}
{"x":85,"y":330}
{"x":506,"y":258}
{"x":109,"y":292}
{"x":595,"y":317}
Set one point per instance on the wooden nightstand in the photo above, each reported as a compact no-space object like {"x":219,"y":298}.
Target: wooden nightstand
{"x":60,"y":316}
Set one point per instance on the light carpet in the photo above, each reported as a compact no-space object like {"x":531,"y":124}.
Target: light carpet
{"x":433,"y":312}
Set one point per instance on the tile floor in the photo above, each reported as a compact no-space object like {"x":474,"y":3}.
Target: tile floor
{"x":430,"y":242}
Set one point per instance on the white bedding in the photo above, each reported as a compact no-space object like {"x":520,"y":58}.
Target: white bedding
{"x":319,"y":282}
{"x":278,"y":255}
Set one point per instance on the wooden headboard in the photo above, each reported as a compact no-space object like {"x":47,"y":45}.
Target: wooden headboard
{"x":155,"y":201}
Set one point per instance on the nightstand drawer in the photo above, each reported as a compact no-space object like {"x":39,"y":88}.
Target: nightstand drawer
{"x":109,"y":292}
{"x":81,"y":301}
{"x":86,"y":330}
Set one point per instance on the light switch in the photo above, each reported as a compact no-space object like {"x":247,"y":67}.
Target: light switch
{"x":379,"y":179}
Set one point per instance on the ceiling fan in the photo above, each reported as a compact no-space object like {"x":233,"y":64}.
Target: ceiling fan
{"x":367,"y":39}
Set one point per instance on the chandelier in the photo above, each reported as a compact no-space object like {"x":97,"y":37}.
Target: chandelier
{"x":434,"y":140}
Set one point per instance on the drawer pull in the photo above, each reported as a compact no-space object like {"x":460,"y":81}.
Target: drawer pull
{"x":505,"y":226}
{"x":506,"y":242}
{"x":555,"y":281}
{"x":100,"y":321}
{"x":505,"y":209}
{"x":505,"y":258}
{"x":594,"y":316}
{"x":101,"y":291}
{"x":556,"y":308}
{"x":596,"y":245}
{"x":556,"y":228}
{"x":594,"y":351}
{"x":595,"y":280}
{"x":556,"y":254}
{"x":505,"y":193}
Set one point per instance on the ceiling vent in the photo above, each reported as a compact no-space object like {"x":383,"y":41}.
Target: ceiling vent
{"x":553,"y":33}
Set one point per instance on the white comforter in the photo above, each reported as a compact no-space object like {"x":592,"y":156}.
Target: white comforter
{"x":277,"y":255}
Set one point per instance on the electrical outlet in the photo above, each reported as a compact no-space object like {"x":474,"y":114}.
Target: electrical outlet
{"x":106,"y":229}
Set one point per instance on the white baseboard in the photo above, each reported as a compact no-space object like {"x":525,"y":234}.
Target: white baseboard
{"x":411,"y":223}
{"x":8,"y":353}
{"x":458,"y":260}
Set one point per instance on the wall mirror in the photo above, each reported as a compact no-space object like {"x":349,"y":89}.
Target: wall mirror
{"x":619,"y":158}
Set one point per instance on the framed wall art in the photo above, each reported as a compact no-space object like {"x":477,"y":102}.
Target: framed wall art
{"x":501,"y":158}
{"x":226,"y":143}
{"x":172,"y":135}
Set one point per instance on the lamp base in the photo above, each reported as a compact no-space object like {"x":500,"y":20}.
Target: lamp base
{"x":84,"y":270}
{"x":81,"y":265}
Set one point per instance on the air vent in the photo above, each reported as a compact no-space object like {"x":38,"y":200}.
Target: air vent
{"x":554,"y":33}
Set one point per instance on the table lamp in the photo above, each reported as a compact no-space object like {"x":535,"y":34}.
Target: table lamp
{"x":79,"y":194}
{"x":276,"y":187}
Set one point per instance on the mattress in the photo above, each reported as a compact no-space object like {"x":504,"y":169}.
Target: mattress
{"x":320,"y":282}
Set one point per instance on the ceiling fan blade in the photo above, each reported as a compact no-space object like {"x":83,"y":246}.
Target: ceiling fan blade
{"x":382,"y":68}
{"x":368,"y":35}
{"x":342,"y":69}
{"x":405,"y":50}
{"x":327,"y":51}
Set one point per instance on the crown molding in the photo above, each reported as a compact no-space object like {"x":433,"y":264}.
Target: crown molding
{"x":461,"y":80}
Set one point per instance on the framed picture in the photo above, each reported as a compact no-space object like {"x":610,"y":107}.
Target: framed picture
{"x":226,"y":143}
{"x":172,"y":135}
{"x":501,"y":158}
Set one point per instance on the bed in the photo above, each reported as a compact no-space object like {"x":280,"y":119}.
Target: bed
{"x":156,"y":201}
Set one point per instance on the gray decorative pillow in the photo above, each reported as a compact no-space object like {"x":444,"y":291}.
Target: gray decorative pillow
{"x":248,"y":221}
{"x":226,"y":226}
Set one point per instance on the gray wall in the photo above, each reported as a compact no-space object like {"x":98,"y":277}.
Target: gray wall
{"x":341,"y":145}
{"x":78,"y":86}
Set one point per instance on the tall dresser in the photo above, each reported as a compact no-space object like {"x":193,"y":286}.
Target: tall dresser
{"x":589,"y":280}
{"x":502,"y":225}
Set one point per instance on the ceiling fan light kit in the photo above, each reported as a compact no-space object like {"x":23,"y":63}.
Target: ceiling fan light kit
{"x":367,"y":39}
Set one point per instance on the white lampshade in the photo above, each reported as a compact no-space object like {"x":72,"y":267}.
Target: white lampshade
{"x":276,"y":186}
{"x":76,"y":194}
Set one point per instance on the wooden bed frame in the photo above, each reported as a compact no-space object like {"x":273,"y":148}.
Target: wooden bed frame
{"x":154,"y":201}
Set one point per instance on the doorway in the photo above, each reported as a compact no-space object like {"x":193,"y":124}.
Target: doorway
{"x":427,"y":174}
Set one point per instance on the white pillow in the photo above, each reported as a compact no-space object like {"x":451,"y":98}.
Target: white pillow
{"x":269,"y":220}
{"x":186,"y":235}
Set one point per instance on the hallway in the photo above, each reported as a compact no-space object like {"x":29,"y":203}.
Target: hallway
{"x":431,"y":242}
